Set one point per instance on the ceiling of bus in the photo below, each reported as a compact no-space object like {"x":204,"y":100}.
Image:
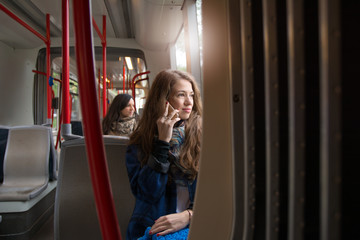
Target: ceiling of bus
{"x":152,"y":23}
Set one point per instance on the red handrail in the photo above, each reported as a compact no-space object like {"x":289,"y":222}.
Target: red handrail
{"x":65,"y":63}
{"x":46,"y":41}
{"x":97,"y":29}
{"x":42,"y":73}
{"x":48,"y":67}
{"x":99,"y":78}
{"x":91,"y":123}
{"x":103,"y":43}
{"x":52,"y":109}
{"x":124,"y":76}
{"x":133,"y":82}
{"x":16,"y":18}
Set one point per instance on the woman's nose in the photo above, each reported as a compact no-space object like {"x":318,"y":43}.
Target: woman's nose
{"x":188,"y":100}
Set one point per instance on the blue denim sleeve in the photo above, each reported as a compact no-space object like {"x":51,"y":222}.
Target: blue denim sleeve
{"x":148,"y":182}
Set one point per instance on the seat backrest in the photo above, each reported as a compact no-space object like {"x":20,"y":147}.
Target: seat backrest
{"x":53,"y":159}
{"x":75,"y":211}
{"x":76,"y":128}
{"x":53,"y":156}
{"x":4,"y":131}
{"x":26,"y":162}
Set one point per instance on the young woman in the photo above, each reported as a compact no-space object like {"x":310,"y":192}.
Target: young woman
{"x":163,"y":156}
{"x":120,"y":119}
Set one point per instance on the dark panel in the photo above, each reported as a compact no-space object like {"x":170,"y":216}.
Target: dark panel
{"x":272,"y":119}
{"x":247,"y":54}
{"x":259,"y":118}
{"x":283,"y":117}
{"x":330,"y":127}
{"x":242,"y":223}
{"x":350,"y":155}
{"x":295,"y":20}
{"x":312,"y":130}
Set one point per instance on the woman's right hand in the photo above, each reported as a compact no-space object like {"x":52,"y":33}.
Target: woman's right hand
{"x":166,"y":123}
{"x":170,"y":223}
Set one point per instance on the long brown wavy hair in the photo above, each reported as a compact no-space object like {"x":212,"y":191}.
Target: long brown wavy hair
{"x":154,"y":108}
{"x":114,"y":113}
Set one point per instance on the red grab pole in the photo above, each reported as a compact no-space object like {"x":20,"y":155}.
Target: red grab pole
{"x":99,"y":77}
{"x":48,"y":68}
{"x":103,"y":42}
{"x":97,"y":29}
{"x":133,"y":82}
{"x":13,"y":16}
{"x":91,"y":123}
{"x":65,"y":63}
{"x":42,"y":73}
{"x":124,"y":75}
{"x":47,"y":42}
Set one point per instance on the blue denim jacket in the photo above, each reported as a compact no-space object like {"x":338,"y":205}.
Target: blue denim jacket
{"x":155,"y":197}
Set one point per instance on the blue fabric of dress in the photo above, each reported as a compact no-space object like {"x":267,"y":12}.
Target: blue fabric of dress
{"x":179,"y":235}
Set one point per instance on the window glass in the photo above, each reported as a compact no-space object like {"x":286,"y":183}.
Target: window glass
{"x":200,"y":28}
{"x":123,"y":68}
{"x":180,"y":52}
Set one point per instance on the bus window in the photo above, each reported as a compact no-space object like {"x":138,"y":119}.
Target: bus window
{"x":120,"y":76}
{"x":75,"y":101}
{"x":180,"y":52}
{"x":122,"y":65}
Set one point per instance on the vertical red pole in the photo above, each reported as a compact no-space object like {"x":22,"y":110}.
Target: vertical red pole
{"x":103,"y":42}
{"x":65,"y":63}
{"x":91,"y":122}
{"x":52,"y":110}
{"x":130,"y":85}
{"x":127,"y":85}
{"x":99,"y":77}
{"x":48,"y":70}
{"x":124,"y":78}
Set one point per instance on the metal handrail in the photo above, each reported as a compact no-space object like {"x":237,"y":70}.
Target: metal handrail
{"x":91,"y":121}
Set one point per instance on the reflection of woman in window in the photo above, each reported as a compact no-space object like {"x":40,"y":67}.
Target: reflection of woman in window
{"x":121,"y":118}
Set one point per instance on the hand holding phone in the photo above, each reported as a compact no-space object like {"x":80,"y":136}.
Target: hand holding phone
{"x":166,"y":122}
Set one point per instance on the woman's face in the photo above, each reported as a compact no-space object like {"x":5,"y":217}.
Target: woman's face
{"x":182,"y":98}
{"x":129,"y":110}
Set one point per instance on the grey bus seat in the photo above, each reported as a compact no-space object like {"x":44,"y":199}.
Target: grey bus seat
{"x":53,"y":156}
{"x":75,"y":211}
{"x":26,"y":164}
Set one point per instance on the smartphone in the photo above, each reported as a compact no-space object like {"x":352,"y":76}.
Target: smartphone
{"x":171,"y":109}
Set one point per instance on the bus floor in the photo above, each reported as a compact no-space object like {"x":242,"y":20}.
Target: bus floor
{"x":46,"y":232}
